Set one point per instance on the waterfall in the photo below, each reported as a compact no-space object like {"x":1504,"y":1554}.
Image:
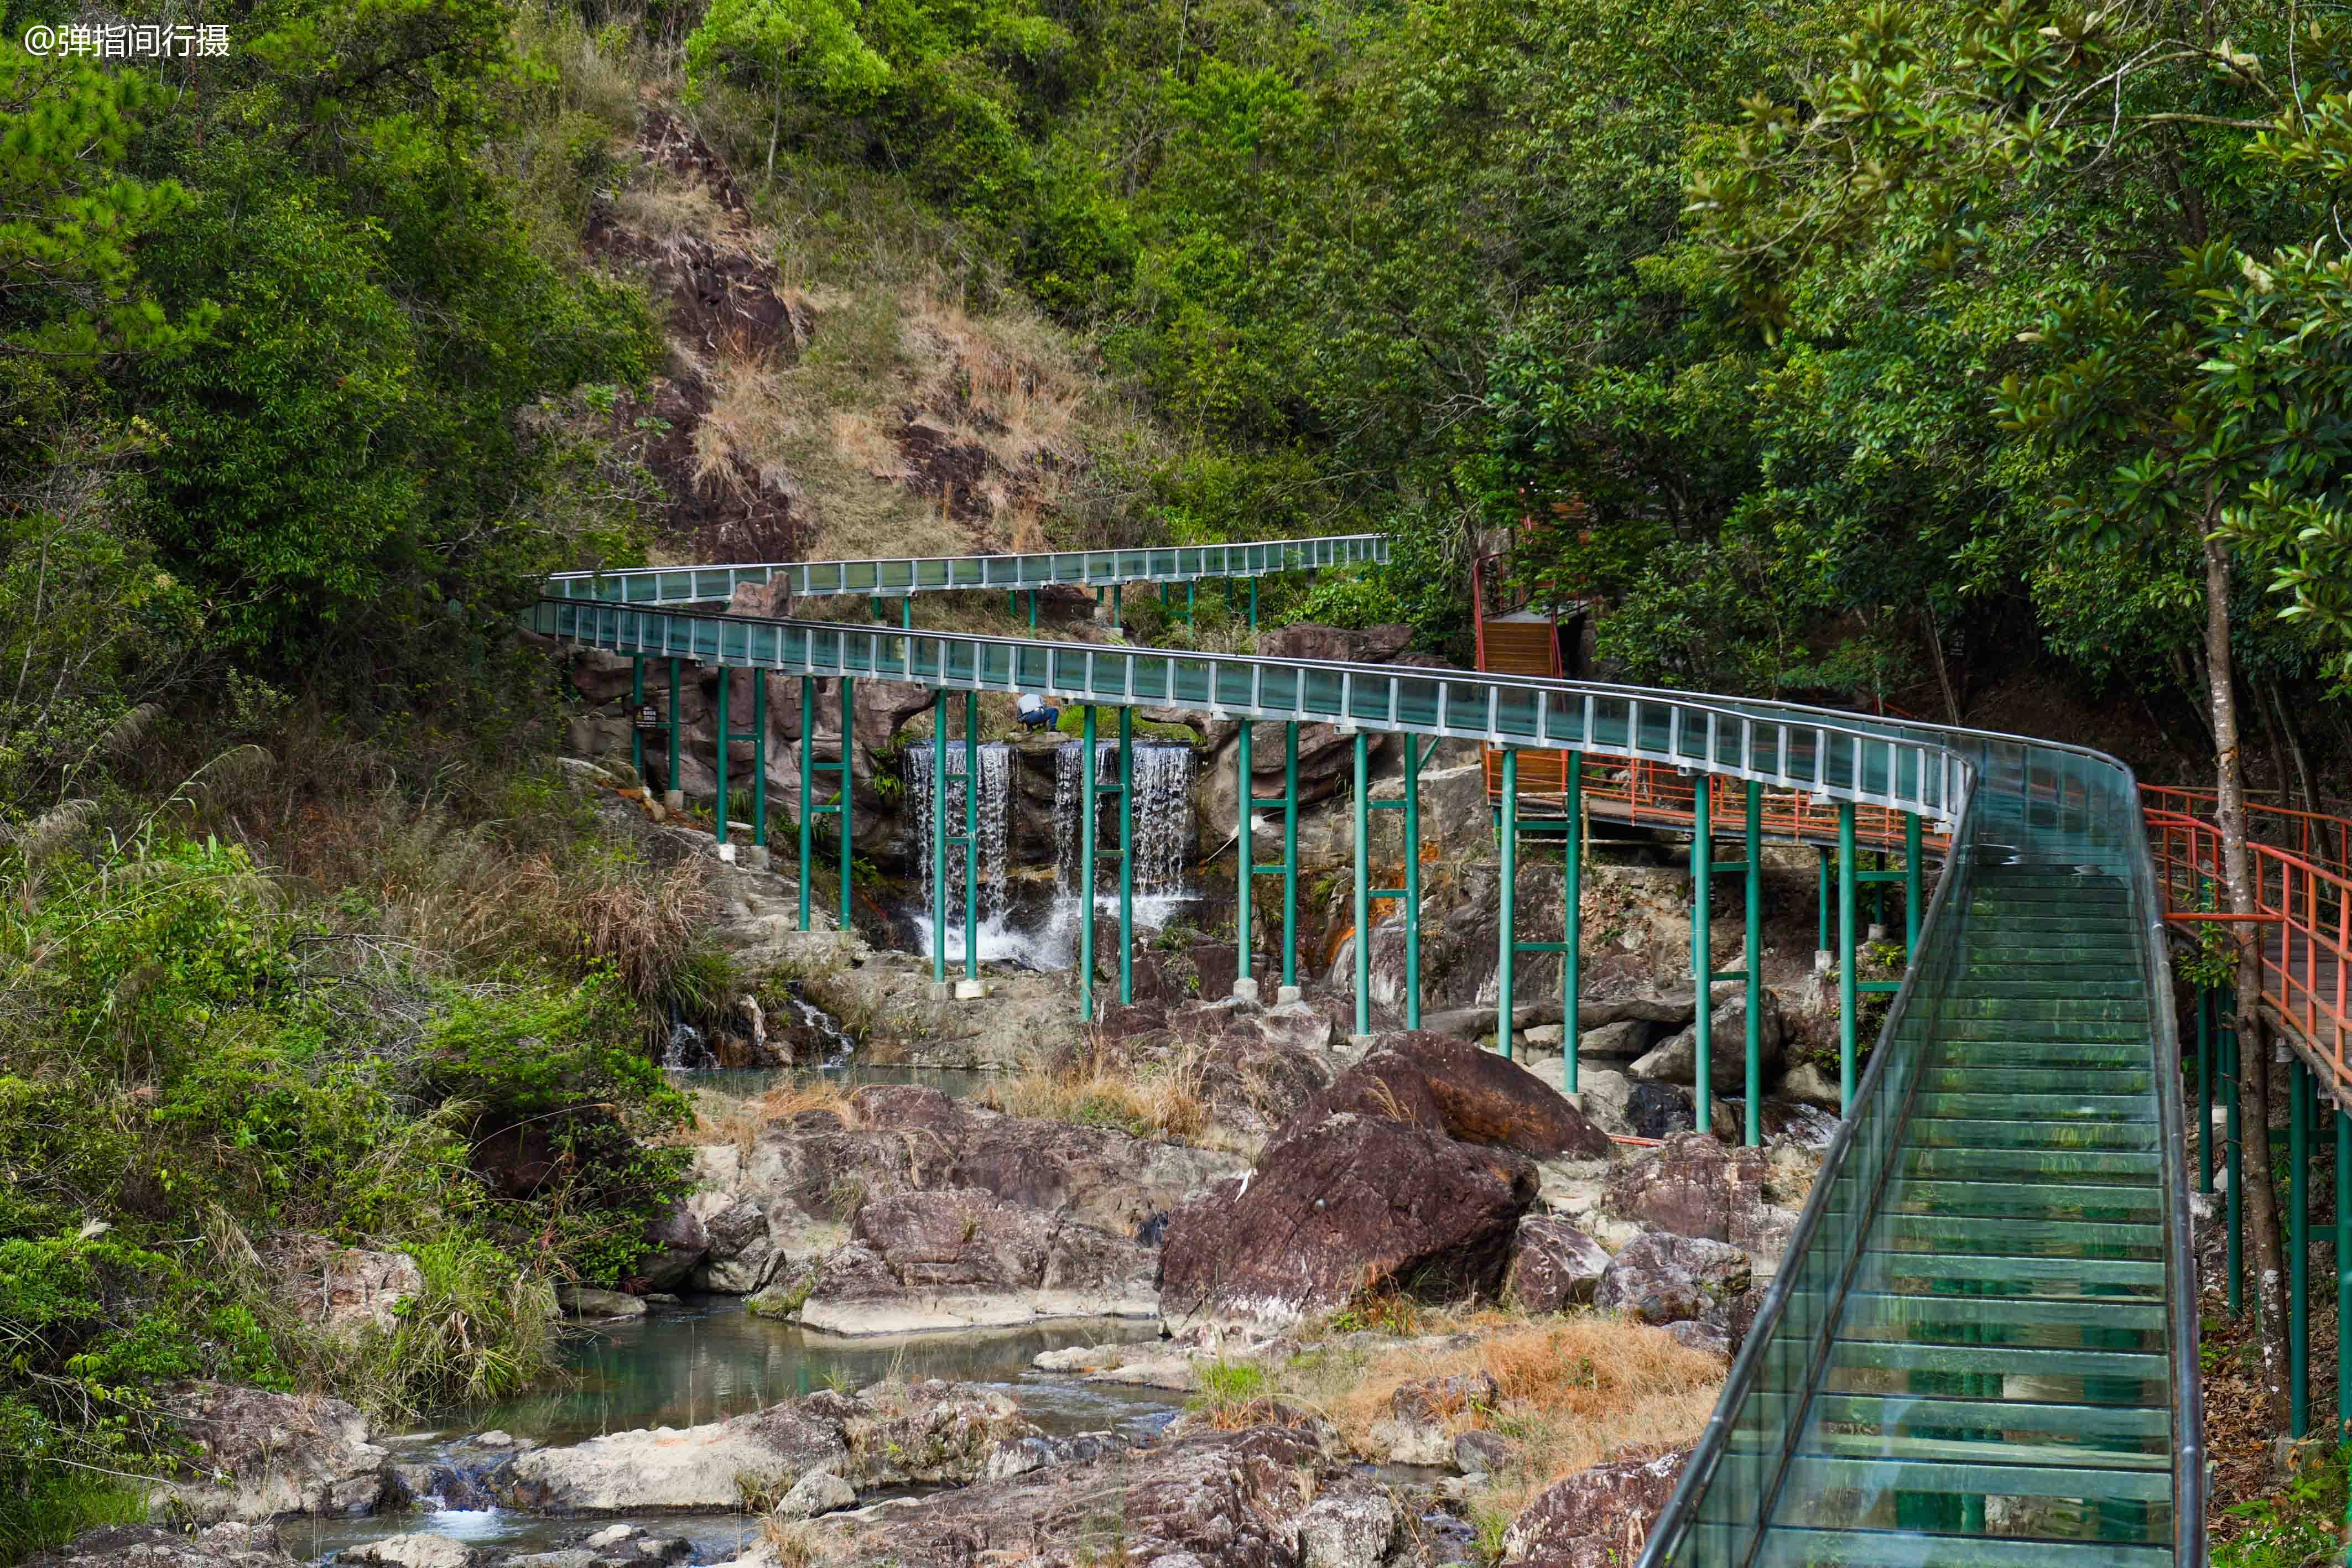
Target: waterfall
{"x":1164,"y":827}
{"x":994,"y":832}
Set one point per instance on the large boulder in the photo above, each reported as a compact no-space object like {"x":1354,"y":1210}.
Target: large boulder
{"x":677,"y":1244}
{"x":1663,"y":1278}
{"x":932,"y":1434}
{"x":150,"y":1546}
{"x":1337,"y":644}
{"x":1597,"y":1518}
{"x":1554,"y":1266}
{"x":1675,"y":1059}
{"x":961,"y":1258}
{"x":1263,"y":1497}
{"x":416,"y":1550}
{"x":810,"y":1175}
{"x":1695,"y":1185}
{"x":263,"y":1454}
{"x":1470,"y":1094}
{"x":1341,"y":1204}
{"x":740,"y":1255}
{"x":344,"y":1291}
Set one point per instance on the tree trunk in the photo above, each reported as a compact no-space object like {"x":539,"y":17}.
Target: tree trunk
{"x":2260,"y":1199}
{"x":2294,"y":748}
{"x":776,"y":124}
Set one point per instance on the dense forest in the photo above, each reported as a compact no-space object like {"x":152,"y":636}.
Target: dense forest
{"x":1989,"y":360}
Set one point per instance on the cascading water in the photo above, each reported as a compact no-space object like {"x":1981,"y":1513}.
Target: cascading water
{"x":1163,"y":833}
{"x":994,"y":832}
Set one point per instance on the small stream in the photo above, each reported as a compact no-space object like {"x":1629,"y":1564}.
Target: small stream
{"x":707,"y":1361}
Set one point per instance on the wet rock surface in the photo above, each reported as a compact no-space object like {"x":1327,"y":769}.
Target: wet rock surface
{"x":228,"y":1545}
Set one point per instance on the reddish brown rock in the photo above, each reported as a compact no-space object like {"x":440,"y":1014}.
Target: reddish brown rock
{"x":1341,"y":1205}
{"x":1435,"y":1399}
{"x":1597,"y":1518}
{"x":1554,"y":1266}
{"x":1664,"y":1279}
{"x":1468,"y":1093}
{"x":1696,"y":1185}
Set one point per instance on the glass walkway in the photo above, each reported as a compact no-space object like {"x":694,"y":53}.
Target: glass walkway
{"x":1980,"y":1348}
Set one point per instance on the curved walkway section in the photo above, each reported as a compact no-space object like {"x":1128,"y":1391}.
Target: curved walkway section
{"x":894,"y":577}
{"x":1980,"y":1348}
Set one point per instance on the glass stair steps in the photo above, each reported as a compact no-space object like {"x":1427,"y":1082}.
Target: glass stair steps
{"x":2121,"y":1371}
{"x":1880,"y":1491}
{"x":2077,"y":1165}
{"x":2107,"y":1079}
{"x":2132,"y":1430}
{"x":1960,"y":1318}
{"x":2053,"y":1276}
{"x":2050,"y":1008}
{"x":2027,"y":1200}
{"x":2026,"y":989}
{"x":2074,"y":1106}
{"x":1832,"y":1444}
{"x":2016,"y":1237}
{"x":2114,"y":1031}
{"x":1799,"y":1547}
{"x":2049,"y":1054}
{"x":1984,"y":1133}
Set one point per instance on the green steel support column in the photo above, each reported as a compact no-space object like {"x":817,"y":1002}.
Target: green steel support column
{"x":1125,"y":856}
{"x":808,"y":766}
{"x":1113,"y":605}
{"x":1701,"y":951}
{"x":1752,"y":1129}
{"x":971,"y":835}
{"x":907,"y":613}
{"x":1364,"y":885}
{"x":1033,"y":610}
{"x":2204,"y":1090}
{"x":1914,"y":884}
{"x":1290,"y":853}
{"x":1505,"y":1017}
{"x":1088,"y":809}
{"x":848,"y":788}
{"x":1190,"y":584}
{"x":720,"y":806}
{"x":1012,"y":602}
{"x":1849,"y":1026}
{"x":1412,"y":758}
{"x":1252,"y":618}
{"x":1243,"y":875}
{"x":676,"y":789}
{"x":1229,"y":598}
{"x":636,"y":706}
{"x":2298,"y":1249}
{"x":1571,"y":935}
{"x":759,"y":759}
{"x":2234,"y":1148}
{"x":2343,"y":1274}
{"x":940,"y":840}
{"x":1822,"y":901}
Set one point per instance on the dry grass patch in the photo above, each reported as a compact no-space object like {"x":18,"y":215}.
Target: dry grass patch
{"x":719,"y":1120}
{"x":1572,"y":1391}
{"x":1095,"y":1091}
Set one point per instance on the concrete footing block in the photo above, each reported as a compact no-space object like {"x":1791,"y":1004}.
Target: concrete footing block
{"x":727,"y":853}
{"x":1285,"y":995}
{"x":673,"y":799}
{"x":970,"y":990}
{"x":755,"y":857}
{"x":1245,"y":989}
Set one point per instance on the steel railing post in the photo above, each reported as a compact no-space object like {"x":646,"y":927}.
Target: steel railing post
{"x":1125,"y":856}
{"x":1571,"y":935}
{"x":726,"y":681}
{"x":1363,"y":910}
{"x":760,"y":766}
{"x":674,"y":790}
{"x":1849,"y":1024}
{"x":2342,"y":1272}
{"x":637,"y":706}
{"x":1913,"y":885}
{"x":848,"y":782}
{"x":1245,"y":791}
{"x":2234,"y":1147}
{"x":1290,"y":855}
{"x":1088,"y":806}
{"x":1412,"y":759}
{"x":1753,"y":944}
{"x":1506,"y":1017}
{"x":2298,"y":1245}
{"x":971,"y":833}
{"x":1702,"y":952}
{"x":2205,"y":1090}
{"x":808,"y":766}
{"x":938,"y":813}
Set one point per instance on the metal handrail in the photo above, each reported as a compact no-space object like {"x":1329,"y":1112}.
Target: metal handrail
{"x":1790,"y":749}
{"x":894,"y":576}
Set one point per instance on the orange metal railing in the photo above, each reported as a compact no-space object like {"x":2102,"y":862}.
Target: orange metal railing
{"x":2303,"y":907}
{"x":1655,"y":794}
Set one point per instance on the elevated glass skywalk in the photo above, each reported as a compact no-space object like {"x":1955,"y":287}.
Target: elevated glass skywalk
{"x":1980,"y":1348}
